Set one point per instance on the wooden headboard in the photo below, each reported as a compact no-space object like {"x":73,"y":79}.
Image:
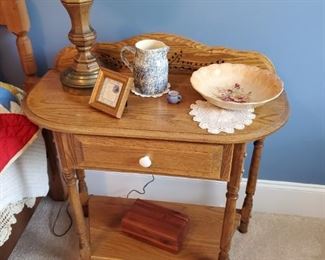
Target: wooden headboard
{"x":14,"y":15}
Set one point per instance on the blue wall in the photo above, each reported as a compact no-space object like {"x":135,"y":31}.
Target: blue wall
{"x":290,"y":33}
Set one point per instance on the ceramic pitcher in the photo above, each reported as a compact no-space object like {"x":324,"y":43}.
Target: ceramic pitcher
{"x":150,"y":66}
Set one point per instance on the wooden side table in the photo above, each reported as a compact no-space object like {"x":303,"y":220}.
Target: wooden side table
{"x":87,"y":138}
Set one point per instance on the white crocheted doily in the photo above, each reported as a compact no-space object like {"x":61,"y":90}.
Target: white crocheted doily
{"x":217,"y":120}
{"x":7,"y":217}
{"x":135,"y":92}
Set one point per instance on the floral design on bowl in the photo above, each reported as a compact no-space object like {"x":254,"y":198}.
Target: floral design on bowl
{"x":236,"y":86}
{"x":234,"y":94}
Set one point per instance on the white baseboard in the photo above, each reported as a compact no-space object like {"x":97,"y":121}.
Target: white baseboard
{"x":271,"y":196}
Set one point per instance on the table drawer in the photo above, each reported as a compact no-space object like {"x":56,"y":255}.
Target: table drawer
{"x":167,"y":157}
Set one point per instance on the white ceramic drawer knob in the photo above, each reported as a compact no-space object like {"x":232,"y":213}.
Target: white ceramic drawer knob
{"x":145,"y":161}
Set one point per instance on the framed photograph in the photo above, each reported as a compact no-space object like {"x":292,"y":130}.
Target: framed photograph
{"x":111,"y":92}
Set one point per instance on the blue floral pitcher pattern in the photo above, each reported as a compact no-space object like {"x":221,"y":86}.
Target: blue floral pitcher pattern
{"x":150,"y":66}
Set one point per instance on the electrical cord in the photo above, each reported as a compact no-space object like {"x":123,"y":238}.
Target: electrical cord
{"x":143,"y":188}
{"x":56,"y":219}
{"x":69,"y":215}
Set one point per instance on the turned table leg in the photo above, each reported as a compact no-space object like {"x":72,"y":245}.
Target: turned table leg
{"x":251,"y":185}
{"x":74,"y":199}
{"x":58,"y":189}
{"x":65,"y":152}
{"x":83,"y":191}
{"x":232,"y":195}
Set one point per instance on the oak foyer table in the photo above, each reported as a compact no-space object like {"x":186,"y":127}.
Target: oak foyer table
{"x":87,"y":138}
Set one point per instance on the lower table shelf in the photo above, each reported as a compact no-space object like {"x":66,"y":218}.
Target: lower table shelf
{"x":108,"y":242}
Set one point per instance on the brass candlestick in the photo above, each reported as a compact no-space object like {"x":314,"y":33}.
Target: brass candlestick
{"x":81,"y":77}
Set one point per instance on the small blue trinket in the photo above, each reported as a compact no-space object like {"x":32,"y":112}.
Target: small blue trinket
{"x":173,"y":97}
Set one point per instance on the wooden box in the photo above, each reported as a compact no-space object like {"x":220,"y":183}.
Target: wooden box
{"x":157,"y":225}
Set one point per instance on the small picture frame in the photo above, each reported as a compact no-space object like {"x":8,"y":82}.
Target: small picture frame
{"x":111,"y":92}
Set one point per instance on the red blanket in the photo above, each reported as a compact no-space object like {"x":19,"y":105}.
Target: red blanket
{"x":16,"y":131}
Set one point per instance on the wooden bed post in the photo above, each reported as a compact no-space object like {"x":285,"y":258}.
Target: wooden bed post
{"x":14,"y":15}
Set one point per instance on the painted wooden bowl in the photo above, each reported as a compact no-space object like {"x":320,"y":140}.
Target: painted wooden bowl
{"x":236,"y":86}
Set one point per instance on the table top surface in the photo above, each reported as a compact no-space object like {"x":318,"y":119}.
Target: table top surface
{"x":52,"y":108}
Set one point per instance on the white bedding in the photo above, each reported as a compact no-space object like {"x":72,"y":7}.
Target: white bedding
{"x":26,"y":177}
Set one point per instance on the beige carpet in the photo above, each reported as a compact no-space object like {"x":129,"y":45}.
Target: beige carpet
{"x":270,"y":237}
